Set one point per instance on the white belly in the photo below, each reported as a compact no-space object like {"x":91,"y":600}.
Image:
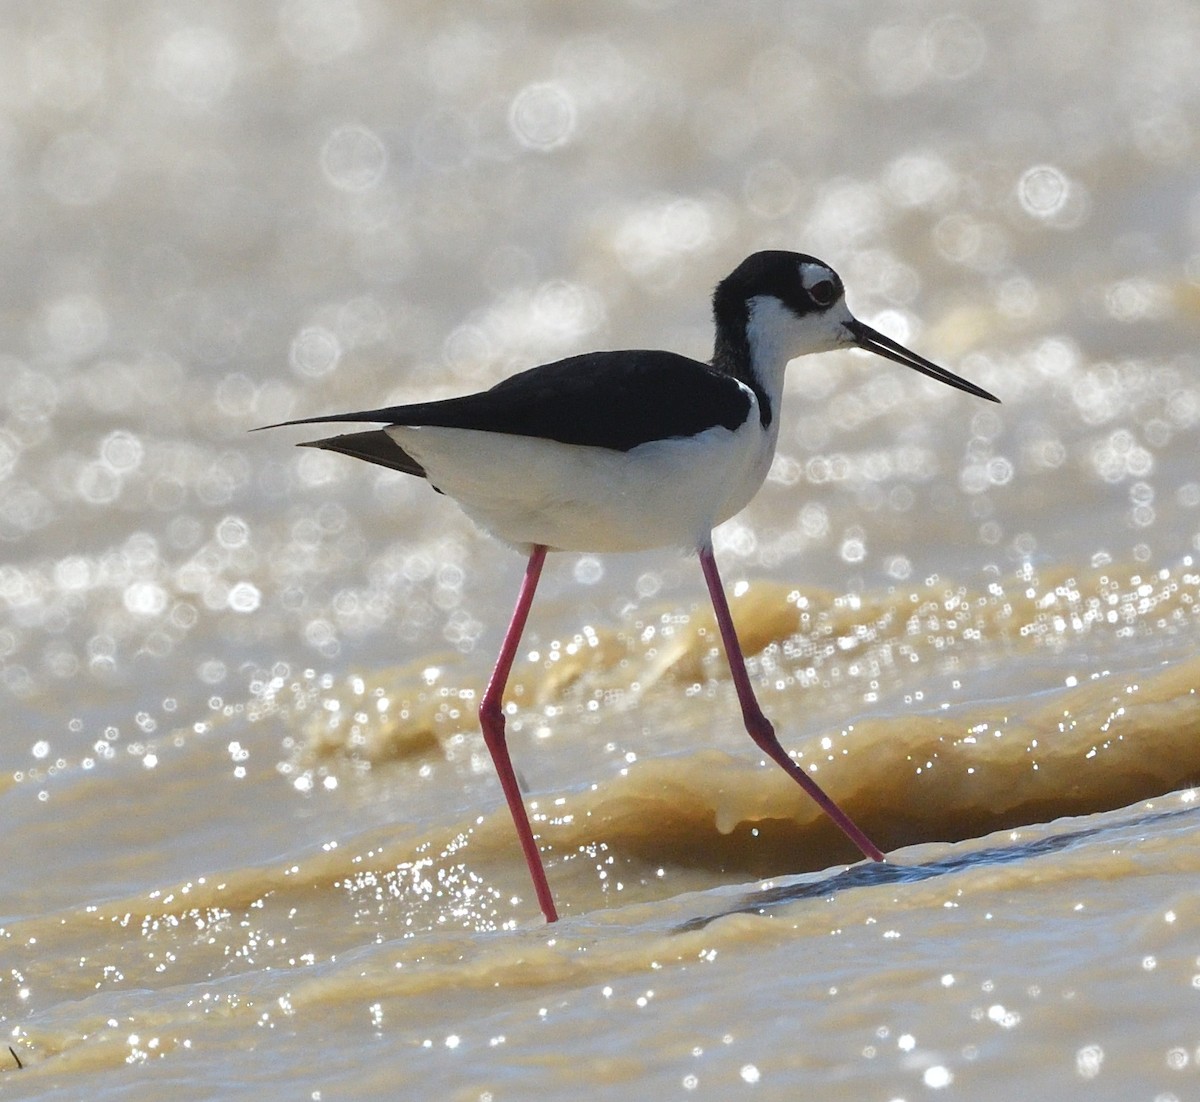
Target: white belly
{"x":568,"y":497}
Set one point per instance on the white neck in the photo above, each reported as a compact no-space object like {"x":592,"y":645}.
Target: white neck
{"x":770,"y":333}
{"x":776,"y":336}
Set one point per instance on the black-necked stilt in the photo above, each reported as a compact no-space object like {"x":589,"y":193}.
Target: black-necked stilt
{"x":622,"y":451}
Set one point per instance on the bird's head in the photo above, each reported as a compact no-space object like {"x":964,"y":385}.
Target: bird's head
{"x":778,"y":305}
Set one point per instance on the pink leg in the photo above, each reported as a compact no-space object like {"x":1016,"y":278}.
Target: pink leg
{"x":757,"y":725}
{"x":491,"y":719}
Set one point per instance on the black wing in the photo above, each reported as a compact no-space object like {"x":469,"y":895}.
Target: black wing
{"x":614,"y":400}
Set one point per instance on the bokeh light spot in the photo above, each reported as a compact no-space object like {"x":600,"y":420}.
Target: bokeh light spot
{"x":543,"y":116}
{"x":354,"y":158}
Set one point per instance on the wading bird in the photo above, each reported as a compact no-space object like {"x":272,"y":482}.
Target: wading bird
{"x":624,"y":451}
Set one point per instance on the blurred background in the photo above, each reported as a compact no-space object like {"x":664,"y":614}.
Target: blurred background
{"x":223,"y":655}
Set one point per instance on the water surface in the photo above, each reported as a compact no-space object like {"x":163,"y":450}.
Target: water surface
{"x":254,"y":842}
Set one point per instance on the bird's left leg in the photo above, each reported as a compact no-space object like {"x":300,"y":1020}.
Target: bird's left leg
{"x":757,"y":725}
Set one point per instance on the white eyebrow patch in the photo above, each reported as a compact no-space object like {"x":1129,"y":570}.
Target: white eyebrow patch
{"x":811,"y":274}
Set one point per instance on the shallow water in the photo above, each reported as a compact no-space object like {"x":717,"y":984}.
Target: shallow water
{"x":255,"y":844}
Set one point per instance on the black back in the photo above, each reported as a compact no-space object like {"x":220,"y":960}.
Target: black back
{"x":614,"y":400}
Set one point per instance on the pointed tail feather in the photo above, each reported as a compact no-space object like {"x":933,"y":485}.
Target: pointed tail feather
{"x":373,"y":446}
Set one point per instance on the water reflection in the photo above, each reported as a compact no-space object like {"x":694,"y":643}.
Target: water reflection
{"x":877,"y":874}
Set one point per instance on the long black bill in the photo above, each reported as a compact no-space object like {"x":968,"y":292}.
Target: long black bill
{"x":874,"y":341}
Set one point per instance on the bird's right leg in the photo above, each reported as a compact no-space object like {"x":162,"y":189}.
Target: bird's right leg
{"x":491,"y":719}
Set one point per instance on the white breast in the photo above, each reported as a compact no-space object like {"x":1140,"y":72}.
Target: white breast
{"x":569,"y":497}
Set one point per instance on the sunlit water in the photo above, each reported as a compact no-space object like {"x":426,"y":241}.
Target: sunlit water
{"x":254,"y":844}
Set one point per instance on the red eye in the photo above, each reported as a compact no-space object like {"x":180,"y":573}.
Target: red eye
{"x":822,"y":292}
